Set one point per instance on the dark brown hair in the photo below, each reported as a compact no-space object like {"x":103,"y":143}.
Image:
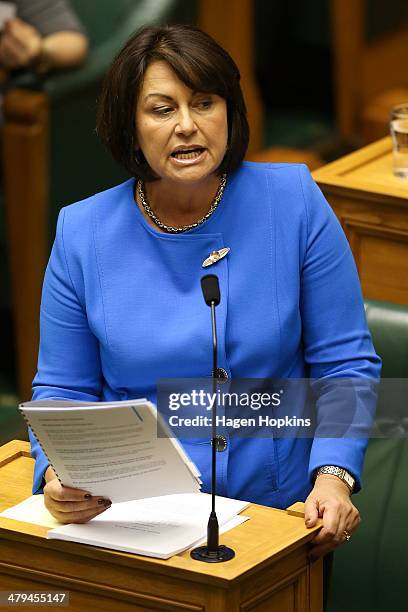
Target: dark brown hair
{"x":200,"y":62}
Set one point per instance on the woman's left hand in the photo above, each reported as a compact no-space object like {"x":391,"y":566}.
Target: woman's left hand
{"x":330,"y":501}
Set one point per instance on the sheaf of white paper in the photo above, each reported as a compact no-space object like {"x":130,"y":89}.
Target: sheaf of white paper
{"x":161,"y":538}
{"x":7,"y":11}
{"x":159,"y":527}
{"x":113,"y":449}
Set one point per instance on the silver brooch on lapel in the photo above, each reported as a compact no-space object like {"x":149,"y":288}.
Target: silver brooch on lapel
{"x":215,"y":256}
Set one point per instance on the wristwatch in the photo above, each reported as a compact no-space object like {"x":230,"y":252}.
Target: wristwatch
{"x":341,"y":473}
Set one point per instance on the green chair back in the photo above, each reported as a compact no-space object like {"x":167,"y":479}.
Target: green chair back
{"x":370,"y":573}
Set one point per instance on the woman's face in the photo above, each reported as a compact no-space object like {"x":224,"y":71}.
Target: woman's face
{"x":183,"y":133}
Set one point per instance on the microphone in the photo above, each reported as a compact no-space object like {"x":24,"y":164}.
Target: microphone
{"x":213,"y":552}
{"x":211,"y":289}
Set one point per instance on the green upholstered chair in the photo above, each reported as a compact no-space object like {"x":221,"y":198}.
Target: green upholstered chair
{"x":370,"y":573}
{"x":52,"y":156}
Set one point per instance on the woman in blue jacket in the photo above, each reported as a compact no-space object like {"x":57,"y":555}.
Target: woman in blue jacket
{"x":122,"y":304}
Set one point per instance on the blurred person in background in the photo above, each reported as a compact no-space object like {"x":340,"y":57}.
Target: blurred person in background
{"x":43,"y":35}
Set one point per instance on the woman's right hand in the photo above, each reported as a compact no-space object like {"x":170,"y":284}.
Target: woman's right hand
{"x":69,"y":505}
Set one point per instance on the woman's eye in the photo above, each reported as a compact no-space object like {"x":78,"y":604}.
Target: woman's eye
{"x":162,"y":110}
{"x":205,"y":104}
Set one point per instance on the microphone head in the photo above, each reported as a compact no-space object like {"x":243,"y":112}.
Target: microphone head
{"x":211,"y":289}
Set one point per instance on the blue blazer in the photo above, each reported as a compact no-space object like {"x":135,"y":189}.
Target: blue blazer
{"x":122,"y":307}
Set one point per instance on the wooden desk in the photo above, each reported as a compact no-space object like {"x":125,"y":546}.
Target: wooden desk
{"x":270,"y":573}
{"x":372,"y":206}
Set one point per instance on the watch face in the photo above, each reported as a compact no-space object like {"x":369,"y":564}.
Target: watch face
{"x":349,"y":479}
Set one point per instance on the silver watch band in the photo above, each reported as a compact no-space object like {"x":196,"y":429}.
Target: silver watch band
{"x":341,"y":473}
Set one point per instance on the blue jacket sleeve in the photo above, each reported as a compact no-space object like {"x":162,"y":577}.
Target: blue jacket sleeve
{"x":68,"y":361}
{"x":337,"y":342}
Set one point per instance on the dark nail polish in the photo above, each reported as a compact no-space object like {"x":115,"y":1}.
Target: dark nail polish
{"x":107,"y":503}
{"x":87,"y":496}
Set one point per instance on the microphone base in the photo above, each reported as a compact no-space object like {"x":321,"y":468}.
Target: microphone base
{"x":219,"y":555}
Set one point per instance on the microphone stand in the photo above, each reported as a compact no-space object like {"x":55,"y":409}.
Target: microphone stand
{"x":213,"y":552}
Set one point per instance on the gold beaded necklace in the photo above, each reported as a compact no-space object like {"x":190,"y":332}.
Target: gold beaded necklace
{"x":178,"y":230}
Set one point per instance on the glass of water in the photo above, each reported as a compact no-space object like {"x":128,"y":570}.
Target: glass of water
{"x":399,"y":133}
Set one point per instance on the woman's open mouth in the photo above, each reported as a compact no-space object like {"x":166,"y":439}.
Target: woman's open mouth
{"x":188,"y":155}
